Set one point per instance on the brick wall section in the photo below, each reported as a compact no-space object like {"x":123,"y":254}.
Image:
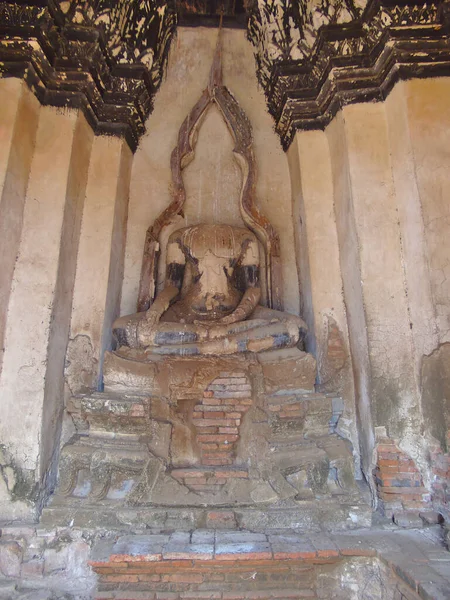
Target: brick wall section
{"x":399,"y":482}
{"x":218,"y":417}
{"x":242,"y":565}
{"x":440,"y":466}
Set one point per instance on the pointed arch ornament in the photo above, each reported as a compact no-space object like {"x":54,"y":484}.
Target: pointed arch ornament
{"x":183,"y":153}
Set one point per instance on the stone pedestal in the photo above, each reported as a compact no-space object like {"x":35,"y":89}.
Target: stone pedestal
{"x":181,"y":437}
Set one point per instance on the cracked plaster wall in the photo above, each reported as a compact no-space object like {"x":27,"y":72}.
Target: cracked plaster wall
{"x":100,"y":260}
{"x":44,"y":168}
{"x":378,"y":251}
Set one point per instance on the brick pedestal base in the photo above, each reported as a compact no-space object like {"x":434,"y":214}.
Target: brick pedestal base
{"x":218,"y":417}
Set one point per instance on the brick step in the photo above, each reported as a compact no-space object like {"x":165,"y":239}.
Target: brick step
{"x":241,"y":565}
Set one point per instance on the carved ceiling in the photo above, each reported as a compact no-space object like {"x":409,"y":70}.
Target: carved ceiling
{"x":315,"y":56}
{"x":104,"y":56}
{"x":108,"y":56}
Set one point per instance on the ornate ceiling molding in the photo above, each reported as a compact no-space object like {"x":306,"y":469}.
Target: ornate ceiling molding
{"x":314,"y":57}
{"x":104,"y":56}
{"x":107,"y":57}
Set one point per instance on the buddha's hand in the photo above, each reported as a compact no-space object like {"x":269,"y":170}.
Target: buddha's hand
{"x":152,"y":318}
{"x":235,"y":317}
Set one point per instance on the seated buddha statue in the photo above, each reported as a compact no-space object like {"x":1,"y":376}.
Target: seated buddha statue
{"x":210,"y":301}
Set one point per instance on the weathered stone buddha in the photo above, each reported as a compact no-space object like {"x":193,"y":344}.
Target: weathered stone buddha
{"x":210,"y":300}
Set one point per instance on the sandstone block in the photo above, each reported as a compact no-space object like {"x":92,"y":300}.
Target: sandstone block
{"x":122,"y":375}
{"x":10,"y":559}
{"x":288,"y":369}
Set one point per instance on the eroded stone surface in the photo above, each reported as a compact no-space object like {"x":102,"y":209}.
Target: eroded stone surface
{"x":213,"y":433}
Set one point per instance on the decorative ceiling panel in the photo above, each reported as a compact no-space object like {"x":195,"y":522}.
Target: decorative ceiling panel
{"x":314,"y":57}
{"x":108,"y":56}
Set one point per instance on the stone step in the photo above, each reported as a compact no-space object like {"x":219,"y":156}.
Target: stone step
{"x":240,"y":565}
{"x":331,"y":513}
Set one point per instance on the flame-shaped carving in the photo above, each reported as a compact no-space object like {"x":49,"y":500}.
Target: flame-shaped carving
{"x":183,"y":153}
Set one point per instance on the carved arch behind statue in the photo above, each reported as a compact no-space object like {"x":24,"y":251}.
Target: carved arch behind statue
{"x":183,"y":153}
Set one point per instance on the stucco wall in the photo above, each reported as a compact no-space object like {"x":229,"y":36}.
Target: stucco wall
{"x":63,"y":205}
{"x":362,"y":210}
{"x":389,"y":230}
{"x":48,"y":161}
{"x":213,"y":179}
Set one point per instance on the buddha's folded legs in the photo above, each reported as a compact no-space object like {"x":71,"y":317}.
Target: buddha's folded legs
{"x":265,"y":330}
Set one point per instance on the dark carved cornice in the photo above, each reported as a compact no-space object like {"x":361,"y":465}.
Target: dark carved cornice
{"x":341,"y":52}
{"x":105,"y":57}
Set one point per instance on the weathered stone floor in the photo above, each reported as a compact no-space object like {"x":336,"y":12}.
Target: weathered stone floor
{"x":384,"y":563}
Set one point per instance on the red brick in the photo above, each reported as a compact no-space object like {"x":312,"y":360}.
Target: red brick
{"x":184,"y":578}
{"x":149,"y":577}
{"x":388,"y":463}
{"x":208,"y":446}
{"x":129,"y":558}
{"x":236,"y":474}
{"x":217,"y":438}
{"x":388,"y":456}
{"x":212,"y":401}
{"x":214,"y":415}
{"x":120,"y":578}
{"x":228,"y":430}
{"x":212,"y":462}
{"x":208,"y":430}
{"x":195,"y":480}
{"x":327,"y":553}
{"x":217,"y":422}
{"x":294,"y":555}
{"x":244,"y":402}
{"x":223,"y":518}
{"x":245,"y":556}
{"x":358,"y":552}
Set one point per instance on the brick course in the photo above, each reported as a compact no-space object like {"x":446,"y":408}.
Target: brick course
{"x":399,"y":483}
{"x":247,"y":565}
{"x":217,"y":419}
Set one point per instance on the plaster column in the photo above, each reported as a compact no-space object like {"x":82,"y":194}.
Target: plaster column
{"x":100,"y":262}
{"x":18,"y":125}
{"x":380,"y":284}
{"x":428,"y":109}
{"x":419,"y":126}
{"x":320,"y":273}
{"x":32,"y":382}
{"x":351,"y":278}
{"x":301,"y":246}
